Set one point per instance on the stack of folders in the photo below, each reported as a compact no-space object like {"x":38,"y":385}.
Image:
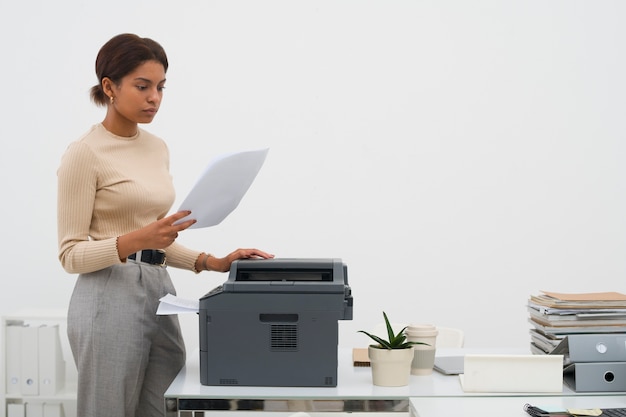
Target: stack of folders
{"x":589,"y":330}
{"x":35,"y":368}
{"x":555,"y":315}
{"x":35,"y":409}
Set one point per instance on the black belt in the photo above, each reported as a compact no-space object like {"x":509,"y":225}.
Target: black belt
{"x":150,"y":256}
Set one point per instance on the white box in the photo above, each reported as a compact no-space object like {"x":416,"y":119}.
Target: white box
{"x":513,"y":373}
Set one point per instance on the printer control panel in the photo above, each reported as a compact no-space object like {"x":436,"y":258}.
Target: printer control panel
{"x":216,"y":290}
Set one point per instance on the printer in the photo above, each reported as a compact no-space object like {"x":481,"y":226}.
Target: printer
{"x":274,"y":323}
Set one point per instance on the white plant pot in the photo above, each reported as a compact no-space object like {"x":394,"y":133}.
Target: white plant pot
{"x":390,"y":367}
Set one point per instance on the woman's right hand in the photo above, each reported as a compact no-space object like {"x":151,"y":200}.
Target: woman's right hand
{"x":157,"y":235}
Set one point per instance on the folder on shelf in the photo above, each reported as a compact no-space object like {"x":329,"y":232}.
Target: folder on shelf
{"x":29,"y":381}
{"x":13,"y":358}
{"x":16,"y":410}
{"x":53,"y":410}
{"x":596,"y":376}
{"x":34,"y":409}
{"x":51,"y":362}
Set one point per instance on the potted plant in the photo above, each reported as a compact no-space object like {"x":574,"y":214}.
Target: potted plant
{"x":390,"y":359}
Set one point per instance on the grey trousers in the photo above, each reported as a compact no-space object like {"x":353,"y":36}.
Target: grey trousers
{"x":126,"y":355}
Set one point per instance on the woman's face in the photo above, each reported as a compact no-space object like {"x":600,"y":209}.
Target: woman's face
{"x":138,"y":96}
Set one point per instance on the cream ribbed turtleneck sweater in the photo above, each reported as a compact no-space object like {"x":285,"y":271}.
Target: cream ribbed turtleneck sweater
{"x":108,"y":186}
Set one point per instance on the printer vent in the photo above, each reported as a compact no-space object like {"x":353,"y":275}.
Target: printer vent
{"x":284,"y":337}
{"x":229,"y":381}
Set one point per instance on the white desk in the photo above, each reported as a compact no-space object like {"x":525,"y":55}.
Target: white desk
{"x":506,"y":406}
{"x":354,"y":392}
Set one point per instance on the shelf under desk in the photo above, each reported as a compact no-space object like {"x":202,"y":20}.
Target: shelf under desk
{"x":354,"y":392}
{"x":506,"y":406}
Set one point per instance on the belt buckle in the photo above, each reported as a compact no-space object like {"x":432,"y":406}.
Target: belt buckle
{"x":162,"y":252}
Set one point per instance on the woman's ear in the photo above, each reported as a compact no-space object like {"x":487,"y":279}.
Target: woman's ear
{"x":107,"y":86}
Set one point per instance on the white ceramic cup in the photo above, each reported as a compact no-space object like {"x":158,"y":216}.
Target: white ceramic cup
{"x":423,"y":354}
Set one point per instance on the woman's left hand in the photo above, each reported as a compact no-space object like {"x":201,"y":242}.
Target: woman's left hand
{"x":223,"y":264}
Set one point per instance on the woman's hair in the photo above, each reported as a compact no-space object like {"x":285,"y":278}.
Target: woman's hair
{"x":120,"y":56}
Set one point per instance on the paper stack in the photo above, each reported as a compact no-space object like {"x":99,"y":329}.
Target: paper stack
{"x":589,"y":330}
{"x":555,"y":315}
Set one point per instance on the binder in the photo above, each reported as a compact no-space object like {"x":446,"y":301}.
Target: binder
{"x":53,"y":410}
{"x":596,"y":376}
{"x":13,"y":348}
{"x":51,"y":362}
{"x":16,"y":410}
{"x":593,"y":347}
{"x":29,"y":381}
{"x":34,"y":409}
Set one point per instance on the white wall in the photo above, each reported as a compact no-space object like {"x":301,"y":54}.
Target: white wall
{"x":458,"y":155}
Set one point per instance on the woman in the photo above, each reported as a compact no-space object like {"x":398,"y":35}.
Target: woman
{"x":114,"y":191}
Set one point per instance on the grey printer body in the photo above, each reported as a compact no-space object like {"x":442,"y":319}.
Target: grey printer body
{"x":274,"y":323}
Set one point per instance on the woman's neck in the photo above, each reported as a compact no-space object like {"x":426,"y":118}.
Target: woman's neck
{"x":123,"y":128}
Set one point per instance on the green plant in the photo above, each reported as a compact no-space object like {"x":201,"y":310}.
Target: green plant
{"x":394,"y":341}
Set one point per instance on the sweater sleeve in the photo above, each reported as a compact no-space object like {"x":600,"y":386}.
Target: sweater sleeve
{"x":77,"y":184}
{"x":178,"y":256}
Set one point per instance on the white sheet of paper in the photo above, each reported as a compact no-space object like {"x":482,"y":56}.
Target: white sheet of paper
{"x":222,"y":186}
{"x":171,"y":304}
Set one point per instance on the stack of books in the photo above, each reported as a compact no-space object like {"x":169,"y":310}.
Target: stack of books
{"x":553,"y":316}
{"x":589,"y":331}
